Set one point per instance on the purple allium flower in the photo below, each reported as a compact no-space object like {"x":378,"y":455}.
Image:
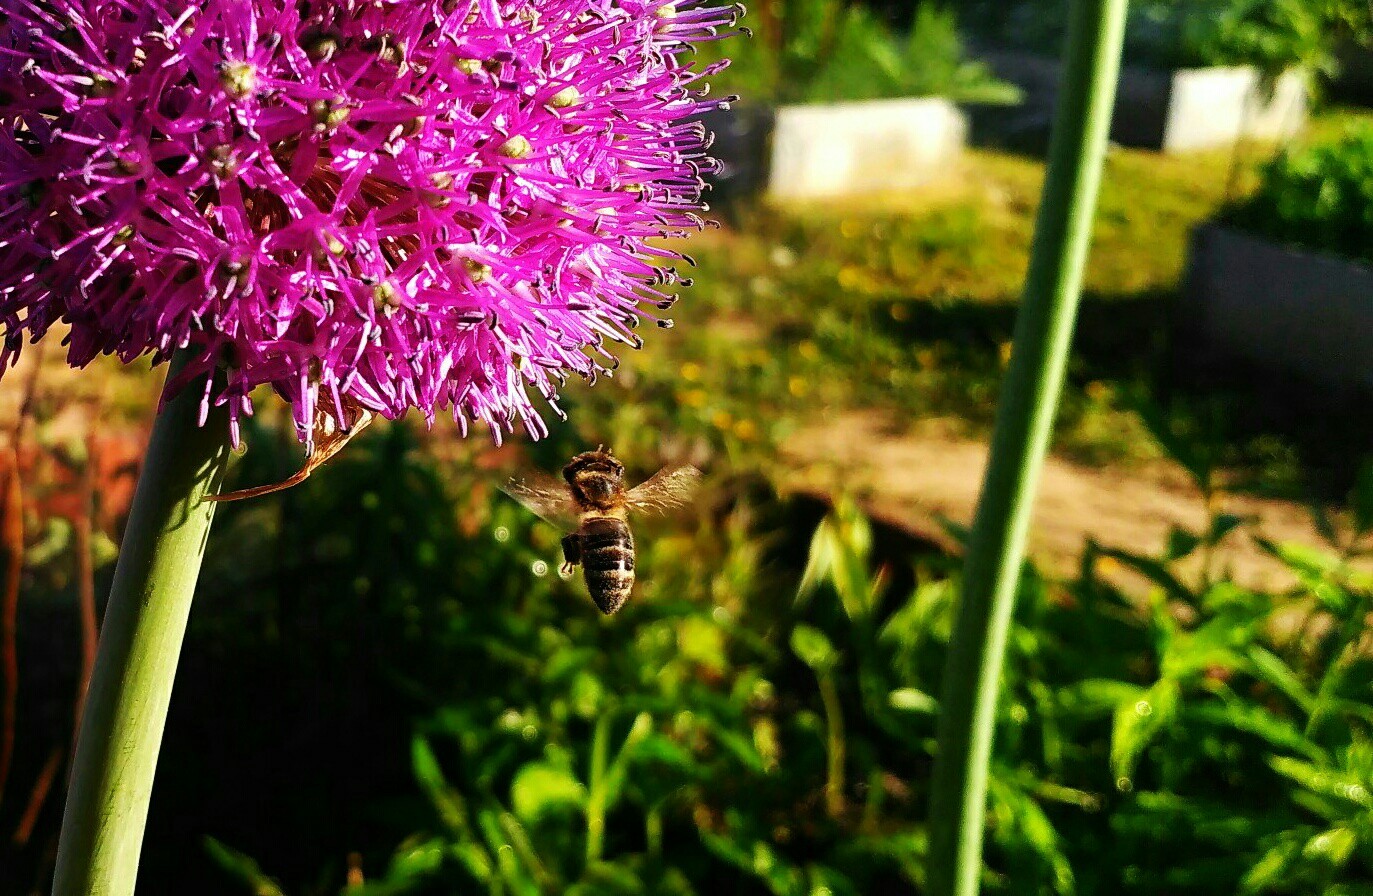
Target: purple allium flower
{"x":382,"y":204}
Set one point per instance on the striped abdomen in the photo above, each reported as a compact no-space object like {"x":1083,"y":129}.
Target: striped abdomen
{"x":607,"y":561}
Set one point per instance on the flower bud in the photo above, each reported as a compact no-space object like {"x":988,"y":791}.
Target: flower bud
{"x":564,"y":98}
{"x":516,"y":147}
{"x":238,"y":79}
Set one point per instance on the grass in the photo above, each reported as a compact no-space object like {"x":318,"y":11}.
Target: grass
{"x":904,"y":304}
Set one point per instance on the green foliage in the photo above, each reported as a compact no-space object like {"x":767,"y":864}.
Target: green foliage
{"x":1272,"y":35}
{"x":813,"y":51}
{"x":742,"y":727}
{"x":401,"y":678}
{"x":1318,"y":197}
{"x":242,"y":868}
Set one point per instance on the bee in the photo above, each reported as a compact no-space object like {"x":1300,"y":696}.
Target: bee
{"x":593,"y":503}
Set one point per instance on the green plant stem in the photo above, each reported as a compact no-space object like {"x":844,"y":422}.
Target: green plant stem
{"x":1024,"y":419}
{"x":596,"y":789}
{"x":518,"y":838}
{"x":653,"y":831}
{"x":834,"y":745}
{"x":140,"y":640}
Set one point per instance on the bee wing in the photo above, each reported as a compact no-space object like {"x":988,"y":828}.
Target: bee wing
{"x":669,"y":488}
{"x":546,"y":497}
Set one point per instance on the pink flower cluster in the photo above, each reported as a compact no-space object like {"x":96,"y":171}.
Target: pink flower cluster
{"x":391,"y":204}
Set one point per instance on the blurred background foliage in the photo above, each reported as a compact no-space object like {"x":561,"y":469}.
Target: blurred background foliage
{"x":1272,"y":35}
{"x":388,"y":688}
{"x":812,"y":51}
{"x":1319,"y":197}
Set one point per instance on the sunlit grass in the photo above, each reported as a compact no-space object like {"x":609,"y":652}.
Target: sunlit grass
{"x":904,"y":303}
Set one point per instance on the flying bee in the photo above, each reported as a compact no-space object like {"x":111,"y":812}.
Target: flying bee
{"x":594,"y":504}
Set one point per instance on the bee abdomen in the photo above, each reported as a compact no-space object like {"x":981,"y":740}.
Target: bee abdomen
{"x":608,"y":562}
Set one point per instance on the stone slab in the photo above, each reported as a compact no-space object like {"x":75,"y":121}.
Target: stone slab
{"x":1298,"y":312}
{"x":843,"y":149}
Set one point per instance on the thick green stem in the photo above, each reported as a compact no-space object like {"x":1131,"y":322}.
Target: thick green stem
{"x":1024,"y":419}
{"x":140,"y":641}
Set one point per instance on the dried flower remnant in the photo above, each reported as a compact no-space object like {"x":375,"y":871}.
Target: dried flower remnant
{"x":367,"y":206}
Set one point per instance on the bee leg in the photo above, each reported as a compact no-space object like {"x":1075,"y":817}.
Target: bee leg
{"x":572,"y":552}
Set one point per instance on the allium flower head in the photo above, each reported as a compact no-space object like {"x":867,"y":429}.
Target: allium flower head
{"x":390,"y":204}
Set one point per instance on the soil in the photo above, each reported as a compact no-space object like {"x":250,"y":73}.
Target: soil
{"x":917,"y":480}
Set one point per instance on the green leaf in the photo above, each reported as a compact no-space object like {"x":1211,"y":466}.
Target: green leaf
{"x":566,"y":662}
{"x":700,"y":640}
{"x":1218,"y":643}
{"x":656,"y":749}
{"x":829,"y":882}
{"x":1137,"y":722}
{"x":412,"y":866}
{"x":1254,"y":719}
{"x":243,"y":868}
{"x":1273,"y":867}
{"x":1309,"y":562}
{"x":1334,"y":846}
{"x":540,"y":790}
{"x":1322,"y":573}
{"x":813,"y":648}
{"x":608,"y":878}
{"x":513,"y":871}
{"x":475,"y":859}
{"x":1269,"y":667}
{"x":926,"y":616}
{"x":1095,"y":696}
{"x":586,"y":696}
{"x":913,"y":700}
{"x":417,"y":859}
{"x":1022,"y":822}
{"x":740,"y":747}
{"x":760,"y":860}
{"x":1337,"y":784}
{"x":446,"y":801}
{"x":523,"y":847}
{"x":839,"y":553}
{"x":1153,"y":570}
{"x":615,"y":775}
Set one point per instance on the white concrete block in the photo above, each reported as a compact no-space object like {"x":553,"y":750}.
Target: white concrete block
{"x":1175,"y":110}
{"x":1210,"y":107}
{"x":843,"y":149}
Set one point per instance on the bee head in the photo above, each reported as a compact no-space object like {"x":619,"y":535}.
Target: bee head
{"x":595,"y":477}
